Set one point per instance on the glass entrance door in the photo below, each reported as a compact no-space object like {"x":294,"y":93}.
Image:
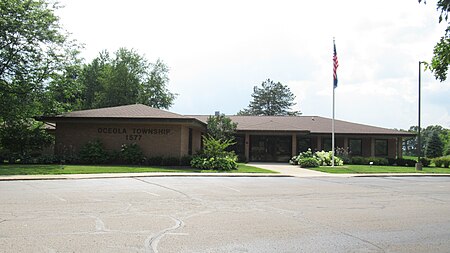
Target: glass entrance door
{"x":270,"y":148}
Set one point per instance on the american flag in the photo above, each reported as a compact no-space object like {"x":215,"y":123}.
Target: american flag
{"x":335,"y":66}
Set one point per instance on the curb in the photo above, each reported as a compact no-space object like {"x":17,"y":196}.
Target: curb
{"x":106,"y":176}
{"x":402,"y":175}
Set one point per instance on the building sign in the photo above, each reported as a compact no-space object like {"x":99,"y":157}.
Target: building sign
{"x":133,"y":134}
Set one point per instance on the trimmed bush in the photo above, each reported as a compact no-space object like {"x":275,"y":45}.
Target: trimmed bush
{"x":93,"y":152}
{"x":216,"y":163}
{"x":378,"y":161}
{"x":325,"y":158}
{"x":359,"y":160}
{"x":446,"y":162}
{"x":425,"y":162}
{"x":215,"y":155}
{"x":406,"y":162}
{"x":308,"y":162}
{"x":132,"y":154}
{"x":185,"y":160}
{"x":170,"y":161}
{"x":294,"y":160}
{"x":443,"y":161}
{"x":154,"y":160}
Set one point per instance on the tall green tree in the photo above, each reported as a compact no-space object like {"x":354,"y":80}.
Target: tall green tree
{"x":221,"y":127}
{"x":125,"y":78}
{"x":272,"y":98}
{"x":441,"y":53}
{"x":434,"y":147}
{"x":33,"y":47}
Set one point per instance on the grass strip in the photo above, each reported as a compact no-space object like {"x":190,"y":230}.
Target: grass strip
{"x":362,"y":169}
{"x":55,"y":169}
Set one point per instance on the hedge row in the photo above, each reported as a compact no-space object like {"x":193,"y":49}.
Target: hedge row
{"x":94,"y":153}
{"x":388,"y":161}
{"x":442,"y":161}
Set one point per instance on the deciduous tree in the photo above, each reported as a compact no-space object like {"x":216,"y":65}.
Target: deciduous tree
{"x":126,"y":78}
{"x":441,"y":53}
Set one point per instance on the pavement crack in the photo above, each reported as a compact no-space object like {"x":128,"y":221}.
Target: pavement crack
{"x":363,"y":240}
{"x":151,"y":243}
{"x":165,"y":187}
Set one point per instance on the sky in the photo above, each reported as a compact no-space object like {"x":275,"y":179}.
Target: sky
{"x":217,"y":51}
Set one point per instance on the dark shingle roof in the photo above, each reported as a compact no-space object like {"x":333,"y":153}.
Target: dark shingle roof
{"x":312,"y":124}
{"x":125,"y":111}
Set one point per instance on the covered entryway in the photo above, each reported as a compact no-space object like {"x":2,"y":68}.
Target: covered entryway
{"x":266,"y":148}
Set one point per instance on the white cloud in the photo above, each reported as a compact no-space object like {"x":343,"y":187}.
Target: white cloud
{"x":217,"y":52}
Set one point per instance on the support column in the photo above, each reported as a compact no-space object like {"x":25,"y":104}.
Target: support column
{"x":294,"y":144}
{"x":319,"y":143}
{"x":247,"y":147}
{"x":346,"y":143}
{"x":372,"y":147}
{"x":399,"y":147}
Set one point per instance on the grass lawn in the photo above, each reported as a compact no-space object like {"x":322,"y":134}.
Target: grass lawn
{"x":53,"y":169}
{"x":355,"y":169}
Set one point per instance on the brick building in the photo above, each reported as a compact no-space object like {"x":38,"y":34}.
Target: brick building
{"x":259,"y":138}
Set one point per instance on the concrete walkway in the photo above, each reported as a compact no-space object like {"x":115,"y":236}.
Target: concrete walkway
{"x":291,"y":170}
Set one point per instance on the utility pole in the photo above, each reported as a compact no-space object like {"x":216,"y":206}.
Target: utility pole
{"x":419,"y":144}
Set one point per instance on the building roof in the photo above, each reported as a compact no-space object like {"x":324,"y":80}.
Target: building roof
{"x":310,"y":124}
{"x":307,"y":124}
{"x":136,"y":112}
{"x":125,"y":111}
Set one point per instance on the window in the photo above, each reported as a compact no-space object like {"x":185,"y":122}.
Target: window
{"x":326,"y":144}
{"x":381,"y":147}
{"x":303,"y":144}
{"x":355,"y":146}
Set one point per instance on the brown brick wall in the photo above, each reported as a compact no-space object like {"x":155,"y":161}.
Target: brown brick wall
{"x":392,"y":148}
{"x":154,"y":139}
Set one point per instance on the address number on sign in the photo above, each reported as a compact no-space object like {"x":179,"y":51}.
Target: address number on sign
{"x":133,"y":137}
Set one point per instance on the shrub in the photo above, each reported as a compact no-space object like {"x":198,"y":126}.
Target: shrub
{"x":343,"y":154}
{"x":132,"y":154}
{"x":425,"y":161}
{"x":215,"y":155}
{"x":218,"y":163}
{"x":170,"y":161}
{"x":185,"y":160}
{"x":405,"y":162}
{"x":294,"y":160}
{"x":308,"y":162}
{"x":155,"y":160}
{"x":392,"y":161}
{"x":442,"y":161}
{"x":377,"y":161}
{"x":438,"y":162}
{"x":93,"y":152}
{"x":306,"y":154}
{"x":446,"y":162}
{"x":359,"y":160}
{"x":325,"y":158}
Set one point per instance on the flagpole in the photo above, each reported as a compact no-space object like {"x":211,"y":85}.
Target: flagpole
{"x":332,"y":131}
{"x":332,"y":122}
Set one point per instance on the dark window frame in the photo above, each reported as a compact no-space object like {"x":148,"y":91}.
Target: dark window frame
{"x":386,"y":148}
{"x":352,"y":151}
{"x":323,"y":143}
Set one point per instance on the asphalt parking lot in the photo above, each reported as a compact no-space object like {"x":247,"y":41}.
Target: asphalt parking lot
{"x":208,"y":214}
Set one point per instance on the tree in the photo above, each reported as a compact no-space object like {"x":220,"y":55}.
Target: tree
{"x":128,"y":78}
{"x":434,"y":146}
{"x":441,"y":53}
{"x":33,"y":47}
{"x":221,"y":127}
{"x":271,"y":99}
